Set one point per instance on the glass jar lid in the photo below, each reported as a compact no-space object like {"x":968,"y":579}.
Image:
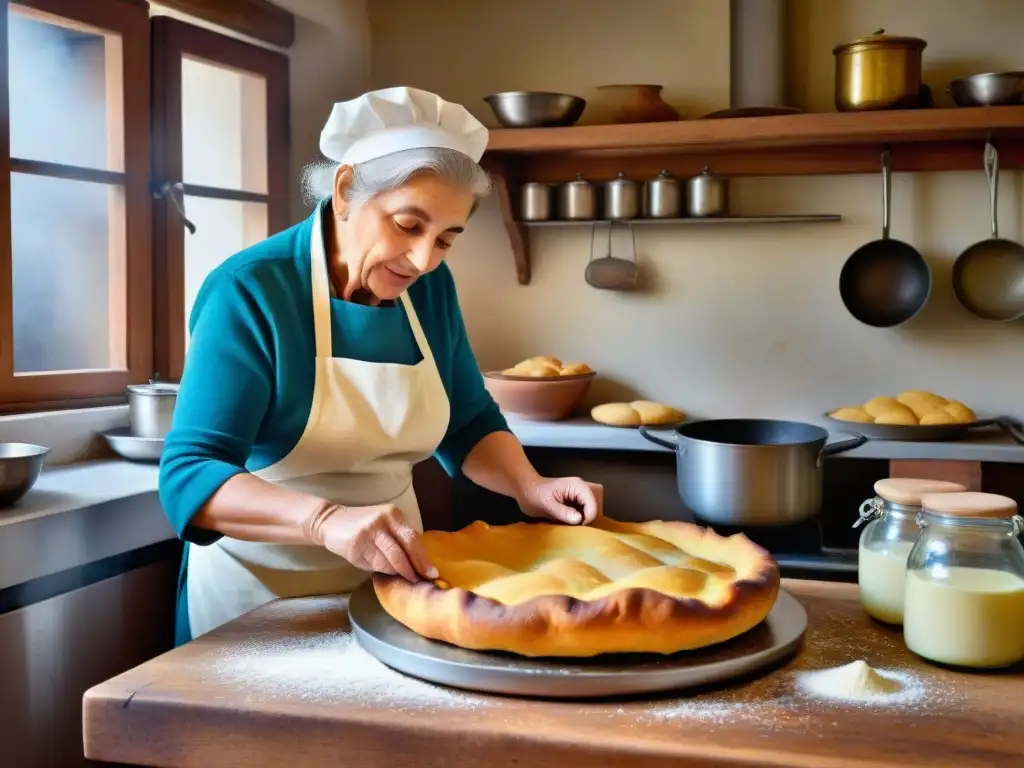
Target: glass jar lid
{"x":908,"y":491}
{"x":901,"y":496}
{"x":970,"y":505}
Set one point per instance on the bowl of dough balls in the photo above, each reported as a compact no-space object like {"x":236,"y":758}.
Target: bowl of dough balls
{"x":915,"y":414}
{"x":540,"y":388}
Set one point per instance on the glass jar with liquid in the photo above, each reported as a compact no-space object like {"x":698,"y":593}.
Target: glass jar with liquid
{"x":885,"y":544}
{"x":964,"y":599}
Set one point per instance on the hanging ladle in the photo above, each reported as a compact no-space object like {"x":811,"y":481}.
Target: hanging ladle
{"x":610,"y":273}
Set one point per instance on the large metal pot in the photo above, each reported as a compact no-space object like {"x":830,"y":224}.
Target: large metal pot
{"x":879,"y":72}
{"x":751,"y":471}
{"x":151,"y":407}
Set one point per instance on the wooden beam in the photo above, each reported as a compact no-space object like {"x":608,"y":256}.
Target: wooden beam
{"x":259,"y":19}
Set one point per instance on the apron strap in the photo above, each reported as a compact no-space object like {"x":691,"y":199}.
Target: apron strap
{"x":417,"y":329}
{"x":321,"y":290}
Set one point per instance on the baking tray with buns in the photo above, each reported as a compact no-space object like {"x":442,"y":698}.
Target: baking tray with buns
{"x":916,"y":416}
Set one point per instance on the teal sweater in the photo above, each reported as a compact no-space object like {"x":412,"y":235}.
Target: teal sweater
{"x":247,"y":386}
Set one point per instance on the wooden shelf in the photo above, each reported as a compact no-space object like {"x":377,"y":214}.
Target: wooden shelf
{"x":810,"y":218}
{"x":782,"y":131}
{"x":806,"y":144}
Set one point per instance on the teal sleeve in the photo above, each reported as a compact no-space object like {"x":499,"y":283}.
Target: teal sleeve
{"x":225,"y":393}
{"x":474,"y":414}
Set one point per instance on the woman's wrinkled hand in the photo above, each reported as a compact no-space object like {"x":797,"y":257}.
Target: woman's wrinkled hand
{"x":377,"y":539}
{"x":570,"y":500}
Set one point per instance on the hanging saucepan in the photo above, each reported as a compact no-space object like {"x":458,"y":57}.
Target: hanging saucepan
{"x":988,"y":278}
{"x":885,"y":282}
{"x":762,"y":472}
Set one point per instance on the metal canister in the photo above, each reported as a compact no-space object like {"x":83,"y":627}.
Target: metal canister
{"x":879,"y":71}
{"x":621,"y":199}
{"x":577,"y":200}
{"x":663,"y":197}
{"x":707,"y":195}
{"x":535,"y":201}
{"x":151,"y":408}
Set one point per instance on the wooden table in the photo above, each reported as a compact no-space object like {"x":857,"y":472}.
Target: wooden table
{"x":288,"y":686}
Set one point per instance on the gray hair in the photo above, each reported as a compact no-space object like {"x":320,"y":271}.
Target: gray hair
{"x":383,"y":174}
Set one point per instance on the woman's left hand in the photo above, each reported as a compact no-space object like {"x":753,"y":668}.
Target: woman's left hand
{"x":568,"y":500}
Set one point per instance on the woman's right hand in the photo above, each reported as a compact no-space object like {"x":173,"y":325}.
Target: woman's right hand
{"x":377,"y":539}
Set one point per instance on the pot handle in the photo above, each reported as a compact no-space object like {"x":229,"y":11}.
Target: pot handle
{"x":672,"y":445}
{"x":830,"y":449}
{"x":1011,"y":429}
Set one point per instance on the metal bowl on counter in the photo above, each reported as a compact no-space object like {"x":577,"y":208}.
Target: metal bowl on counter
{"x":535,"y":109}
{"x":990,"y":89}
{"x":132,"y":447}
{"x":20,"y":465}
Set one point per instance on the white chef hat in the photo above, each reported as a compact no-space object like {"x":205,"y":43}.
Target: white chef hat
{"x":381,"y":122}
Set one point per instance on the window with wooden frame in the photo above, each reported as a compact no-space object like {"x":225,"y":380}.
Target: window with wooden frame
{"x":75,"y":232}
{"x":221,"y":122}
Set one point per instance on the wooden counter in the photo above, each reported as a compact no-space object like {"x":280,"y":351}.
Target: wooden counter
{"x":288,"y":686}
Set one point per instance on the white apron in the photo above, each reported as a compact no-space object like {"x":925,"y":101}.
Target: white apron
{"x":369,"y":423}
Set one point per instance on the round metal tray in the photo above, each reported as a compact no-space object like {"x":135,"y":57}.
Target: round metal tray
{"x":605,"y":676}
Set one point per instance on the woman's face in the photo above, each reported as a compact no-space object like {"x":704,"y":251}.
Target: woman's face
{"x":390,"y":240}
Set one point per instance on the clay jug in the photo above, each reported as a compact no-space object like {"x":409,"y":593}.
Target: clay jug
{"x":634,"y":104}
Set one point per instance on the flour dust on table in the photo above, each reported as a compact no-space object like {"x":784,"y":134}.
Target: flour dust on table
{"x":826,"y":676}
{"x":790,"y":697}
{"x":328,"y":667}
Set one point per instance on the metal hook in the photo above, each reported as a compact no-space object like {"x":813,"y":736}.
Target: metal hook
{"x":992,"y":174}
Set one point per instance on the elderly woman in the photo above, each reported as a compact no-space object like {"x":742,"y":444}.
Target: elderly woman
{"x":326,"y":361}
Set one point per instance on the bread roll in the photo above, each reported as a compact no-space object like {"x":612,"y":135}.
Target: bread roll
{"x":576,"y":369}
{"x":533,"y":369}
{"x":961,"y":413}
{"x":551,"y":360}
{"x":637,"y":413}
{"x":879,"y":405}
{"x":921,"y":402}
{"x":854,"y":413}
{"x":656,"y":414}
{"x":899,"y":416}
{"x":936,"y":417}
{"x":616,"y":415}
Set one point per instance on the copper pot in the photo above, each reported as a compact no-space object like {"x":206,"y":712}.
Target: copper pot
{"x":635,"y":104}
{"x":879,"y":72}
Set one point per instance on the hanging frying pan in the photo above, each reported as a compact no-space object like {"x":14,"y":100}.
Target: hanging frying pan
{"x":885,"y":282}
{"x":988,"y":278}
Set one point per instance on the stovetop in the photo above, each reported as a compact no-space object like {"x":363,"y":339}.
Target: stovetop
{"x":807,"y":550}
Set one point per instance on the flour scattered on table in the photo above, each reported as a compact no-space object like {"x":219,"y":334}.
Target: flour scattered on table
{"x":332,"y":667}
{"x":857,"y":682}
{"x":799,"y":696}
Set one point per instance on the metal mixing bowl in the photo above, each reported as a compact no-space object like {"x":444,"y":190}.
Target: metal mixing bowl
{"x":20,"y":465}
{"x":992,"y":89}
{"x":535,"y":109}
